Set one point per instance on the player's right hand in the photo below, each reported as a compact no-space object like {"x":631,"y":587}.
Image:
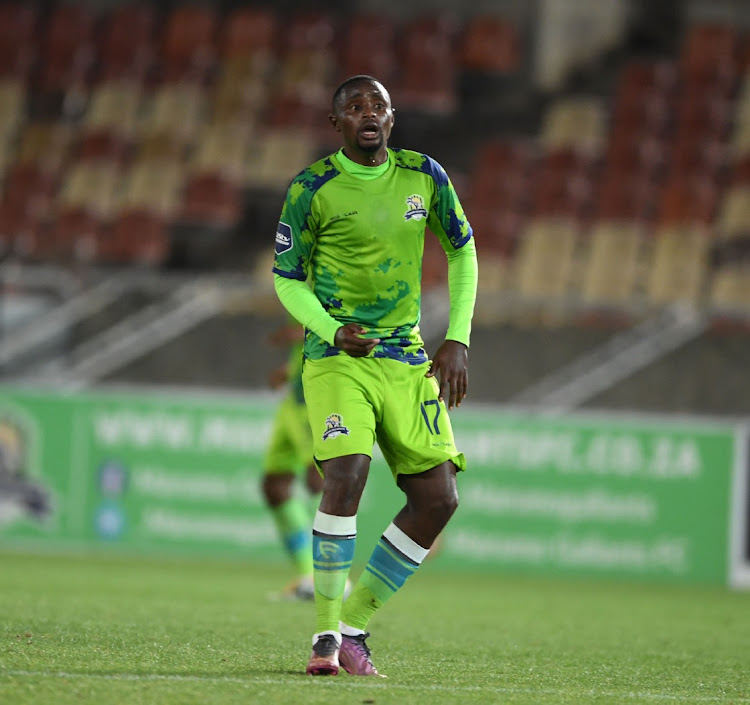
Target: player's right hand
{"x":349,"y":339}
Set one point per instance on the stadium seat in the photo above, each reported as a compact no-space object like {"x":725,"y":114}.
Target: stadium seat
{"x":729,"y":291}
{"x":76,"y":234}
{"x":489,"y":44}
{"x":90,"y":187}
{"x":114,"y":107}
{"x":153,"y":186}
{"x":19,"y":50}
{"x":139,"y":237}
{"x":188,"y":43}
{"x":636,"y":152}
{"x":46,"y":143}
{"x":212,"y":200}
{"x":68,"y":48}
{"x":222,"y":149}
{"x":377,"y":32}
{"x":611,"y":265}
{"x":427,"y":81}
{"x":676,"y":266}
{"x":496,"y":228}
{"x":25,"y":208}
{"x":562,"y":185}
{"x":628,"y":196}
{"x":543,"y":264}
{"x":277,"y":157}
{"x":102,"y":146}
{"x":247,"y":32}
{"x":241,"y":93}
{"x":12,"y":107}
{"x":710,"y":51}
{"x":127,"y":43}
{"x":176,"y":110}
{"x":688,"y":200}
{"x":575,"y":123}
{"x":734,"y":212}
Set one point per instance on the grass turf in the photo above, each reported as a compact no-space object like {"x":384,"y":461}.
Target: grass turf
{"x":80,"y":630}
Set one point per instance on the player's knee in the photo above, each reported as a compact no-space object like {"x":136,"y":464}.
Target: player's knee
{"x":444,"y":506}
{"x":276,"y":489}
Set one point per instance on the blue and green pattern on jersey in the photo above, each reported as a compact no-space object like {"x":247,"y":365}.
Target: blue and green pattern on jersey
{"x":360,"y":243}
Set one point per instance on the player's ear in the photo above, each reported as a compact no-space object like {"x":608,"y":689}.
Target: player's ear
{"x":334,"y":121}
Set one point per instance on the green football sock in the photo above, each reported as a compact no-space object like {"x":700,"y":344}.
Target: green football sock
{"x":333,"y":549}
{"x":293,"y":524}
{"x":395,"y":558}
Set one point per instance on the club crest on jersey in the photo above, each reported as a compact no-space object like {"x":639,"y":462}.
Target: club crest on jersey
{"x":283,"y":238}
{"x":415,"y":209}
{"x":335,"y":427}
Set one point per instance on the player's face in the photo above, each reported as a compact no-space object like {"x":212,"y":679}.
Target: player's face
{"x":364,"y":117}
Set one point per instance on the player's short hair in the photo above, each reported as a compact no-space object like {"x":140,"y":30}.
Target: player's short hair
{"x":359,"y":78}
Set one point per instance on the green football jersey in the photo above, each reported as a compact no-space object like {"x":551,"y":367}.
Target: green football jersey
{"x":360,"y":242}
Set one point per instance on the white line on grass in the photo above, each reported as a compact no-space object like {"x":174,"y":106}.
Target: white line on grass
{"x":369,"y":683}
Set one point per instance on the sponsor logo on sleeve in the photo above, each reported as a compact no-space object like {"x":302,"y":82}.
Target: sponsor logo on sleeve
{"x":283,"y":238}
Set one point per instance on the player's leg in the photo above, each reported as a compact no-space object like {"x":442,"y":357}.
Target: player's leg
{"x":417,"y":441}
{"x":314,"y":485}
{"x":343,"y":425}
{"x":291,"y":514}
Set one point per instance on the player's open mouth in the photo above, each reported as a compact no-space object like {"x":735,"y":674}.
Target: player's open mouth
{"x":369,"y":132}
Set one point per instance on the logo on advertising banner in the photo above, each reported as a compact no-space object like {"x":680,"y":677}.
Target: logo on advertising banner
{"x":21,"y":495}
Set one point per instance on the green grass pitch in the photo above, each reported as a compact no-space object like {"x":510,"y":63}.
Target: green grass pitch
{"x":110,"y":630}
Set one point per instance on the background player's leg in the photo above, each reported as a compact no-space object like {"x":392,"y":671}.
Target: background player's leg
{"x":314,"y":486}
{"x":292,"y":518}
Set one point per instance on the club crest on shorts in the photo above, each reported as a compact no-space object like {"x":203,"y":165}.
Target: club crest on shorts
{"x":335,"y":427}
{"x":415,"y":209}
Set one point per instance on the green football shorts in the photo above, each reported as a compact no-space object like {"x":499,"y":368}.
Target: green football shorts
{"x":353,"y":402}
{"x":291,"y":447}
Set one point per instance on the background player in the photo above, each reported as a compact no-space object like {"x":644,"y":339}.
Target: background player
{"x":289,"y":456}
{"x":354,"y":223}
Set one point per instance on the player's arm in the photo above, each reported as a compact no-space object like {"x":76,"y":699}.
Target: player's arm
{"x":299,"y":299}
{"x":451,"y":361}
{"x":448,"y":222}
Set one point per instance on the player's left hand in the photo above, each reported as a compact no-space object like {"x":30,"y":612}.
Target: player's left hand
{"x":451,"y":364}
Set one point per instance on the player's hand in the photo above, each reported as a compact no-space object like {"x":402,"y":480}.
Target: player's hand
{"x":349,"y":339}
{"x":451,"y":364}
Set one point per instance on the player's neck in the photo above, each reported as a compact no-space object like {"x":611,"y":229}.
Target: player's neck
{"x":367,"y":158}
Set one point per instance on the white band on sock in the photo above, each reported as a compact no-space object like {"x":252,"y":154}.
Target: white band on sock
{"x":407,"y":546}
{"x":346,"y":630}
{"x":335,"y":526}
{"x":335,"y":635}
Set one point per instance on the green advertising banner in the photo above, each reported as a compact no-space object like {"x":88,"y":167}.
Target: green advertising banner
{"x":180,"y":473}
{"x":641,"y":497}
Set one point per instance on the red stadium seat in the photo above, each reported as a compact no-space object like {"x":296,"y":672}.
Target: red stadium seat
{"x":490,"y":44}
{"x":18,"y":44}
{"x":627,"y":196}
{"x":139,"y":237}
{"x":248,"y":31}
{"x":427,"y":80}
{"x":68,"y":47}
{"x":188,"y":50}
{"x":711,"y":51}
{"x":127,"y":42}
{"x":377,"y":33}
{"x":688,"y":200}
{"x":211,"y":200}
